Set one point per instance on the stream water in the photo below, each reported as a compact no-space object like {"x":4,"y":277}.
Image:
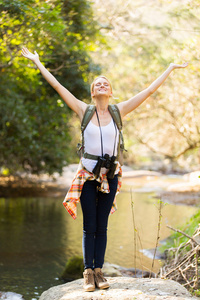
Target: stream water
{"x":38,"y":236}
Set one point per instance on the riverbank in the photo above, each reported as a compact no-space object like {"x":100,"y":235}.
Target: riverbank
{"x":42,"y":236}
{"x":176,"y":189}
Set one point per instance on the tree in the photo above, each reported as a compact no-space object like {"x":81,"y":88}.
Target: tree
{"x":144,"y":39}
{"x":34,"y":127}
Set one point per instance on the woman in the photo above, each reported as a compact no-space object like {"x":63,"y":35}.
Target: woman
{"x":95,"y":189}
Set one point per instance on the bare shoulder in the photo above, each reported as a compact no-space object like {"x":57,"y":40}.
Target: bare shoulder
{"x":121,"y":106}
{"x":82,"y":109}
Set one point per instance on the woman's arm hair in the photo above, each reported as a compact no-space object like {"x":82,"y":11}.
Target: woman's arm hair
{"x":76,"y":105}
{"x":129,"y":105}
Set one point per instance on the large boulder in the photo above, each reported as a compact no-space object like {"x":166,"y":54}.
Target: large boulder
{"x":10,"y":296}
{"x":123,"y":288}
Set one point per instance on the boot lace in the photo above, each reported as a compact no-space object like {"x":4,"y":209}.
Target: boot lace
{"x":100,"y":277}
{"x":89,"y":278}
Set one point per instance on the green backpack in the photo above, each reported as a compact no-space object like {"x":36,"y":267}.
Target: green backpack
{"x":115,"y":113}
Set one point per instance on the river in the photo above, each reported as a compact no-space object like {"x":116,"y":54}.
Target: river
{"x":38,"y":236}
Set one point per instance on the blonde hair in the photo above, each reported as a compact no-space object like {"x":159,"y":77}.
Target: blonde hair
{"x":92,"y":85}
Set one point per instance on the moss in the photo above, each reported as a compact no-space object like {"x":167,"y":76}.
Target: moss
{"x":73,"y":269}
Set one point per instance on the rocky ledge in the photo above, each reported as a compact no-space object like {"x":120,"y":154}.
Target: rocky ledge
{"x":121,"y":288}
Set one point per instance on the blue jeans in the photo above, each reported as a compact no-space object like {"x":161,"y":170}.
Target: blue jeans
{"x":96,"y":207}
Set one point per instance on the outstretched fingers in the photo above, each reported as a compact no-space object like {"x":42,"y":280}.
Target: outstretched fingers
{"x":175,"y":66}
{"x":25,"y":51}
{"x":32,"y":56}
{"x":184,"y":65}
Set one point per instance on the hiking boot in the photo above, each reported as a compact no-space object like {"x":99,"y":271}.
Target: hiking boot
{"x":100,"y":281}
{"x":89,"y":284}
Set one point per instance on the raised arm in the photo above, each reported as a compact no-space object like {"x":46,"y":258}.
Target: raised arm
{"x":129,"y":105}
{"x":76,"y":105}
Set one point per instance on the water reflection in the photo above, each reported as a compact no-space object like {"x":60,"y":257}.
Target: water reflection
{"x":37,"y":236}
{"x":121,"y":233}
{"x":36,"y":241}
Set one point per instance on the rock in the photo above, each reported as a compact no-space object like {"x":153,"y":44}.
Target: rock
{"x":190,"y":183}
{"x":123,"y":288}
{"x":186,"y":198}
{"x":193,"y":177}
{"x":184,"y":187}
{"x":128,"y":172}
{"x":10,"y":296}
{"x":73,"y":269}
{"x":112,"y":270}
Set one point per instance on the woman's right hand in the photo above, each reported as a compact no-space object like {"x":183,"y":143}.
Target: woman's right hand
{"x":76,"y":105}
{"x":33,"y":57}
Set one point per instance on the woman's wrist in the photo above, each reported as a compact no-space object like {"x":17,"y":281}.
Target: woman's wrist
{"x":172,"y":67}
{"x":37,"y":62}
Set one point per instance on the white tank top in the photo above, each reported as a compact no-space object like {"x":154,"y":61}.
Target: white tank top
{"x":92,"y":141}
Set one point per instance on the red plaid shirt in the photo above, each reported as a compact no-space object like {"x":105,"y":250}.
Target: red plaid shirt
{"x":74,"y":193}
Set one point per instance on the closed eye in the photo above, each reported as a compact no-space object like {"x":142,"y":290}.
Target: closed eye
{"x":105,"y":84}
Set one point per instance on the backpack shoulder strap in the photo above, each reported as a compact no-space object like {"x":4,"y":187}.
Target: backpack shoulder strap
{"x":115,"y":113}
{"x":87,"y":116}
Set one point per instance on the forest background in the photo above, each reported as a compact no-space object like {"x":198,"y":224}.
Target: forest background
{"x":132,"y":43}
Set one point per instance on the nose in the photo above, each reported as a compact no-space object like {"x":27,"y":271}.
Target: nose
{"x":102,"y":85}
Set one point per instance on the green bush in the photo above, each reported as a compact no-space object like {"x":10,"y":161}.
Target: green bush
{"x":177,"y":238}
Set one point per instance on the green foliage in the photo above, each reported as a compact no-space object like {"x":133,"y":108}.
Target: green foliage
{"x":144,"y":39}
{"x":195,"y":293}
{"x":177,"y":238}
{"x":34,"y":127}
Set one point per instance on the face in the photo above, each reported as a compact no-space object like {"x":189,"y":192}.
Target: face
{"x":101,"y":86}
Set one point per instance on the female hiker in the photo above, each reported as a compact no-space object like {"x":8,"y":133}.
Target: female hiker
{"x":99,"y":174}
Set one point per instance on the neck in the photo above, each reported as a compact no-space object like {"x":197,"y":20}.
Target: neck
{"x":102,"y":105}
{"x":102,"y":109}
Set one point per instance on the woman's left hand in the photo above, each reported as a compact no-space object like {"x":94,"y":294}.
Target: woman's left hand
{"x":177,"y":66}
{"x":34,"y":57}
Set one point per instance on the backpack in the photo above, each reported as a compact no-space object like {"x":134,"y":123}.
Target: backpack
{"x":115,"y":113}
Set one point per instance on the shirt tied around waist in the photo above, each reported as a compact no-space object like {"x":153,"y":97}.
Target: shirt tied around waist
{"x":73,"y":195}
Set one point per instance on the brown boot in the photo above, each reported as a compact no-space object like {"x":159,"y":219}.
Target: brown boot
{"x":89,"y":284}
{"x":100,"y":281}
